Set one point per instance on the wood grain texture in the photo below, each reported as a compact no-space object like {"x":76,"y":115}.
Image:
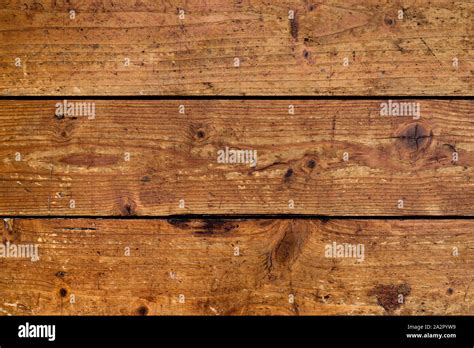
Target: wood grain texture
{"x":174,"y":157}
{"x":277,"y":258}
{"x":195,"y":55}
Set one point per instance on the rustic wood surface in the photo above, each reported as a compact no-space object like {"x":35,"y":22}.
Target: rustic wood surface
{"x":277,"y":258}
{"x":87,"y":55}
{"x":173,"y":157}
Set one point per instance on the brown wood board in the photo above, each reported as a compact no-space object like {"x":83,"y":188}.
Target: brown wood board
{"x":338,"y":47}
{"x":146,"y":158}
{"x":193,"y":267}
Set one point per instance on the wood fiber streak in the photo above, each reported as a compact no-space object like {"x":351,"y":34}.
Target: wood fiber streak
{"x":195,"y":55}
{"x":300,"y":157}
{"x":277,"y":258}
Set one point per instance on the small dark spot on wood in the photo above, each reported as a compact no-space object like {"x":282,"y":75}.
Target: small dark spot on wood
{"x":288,"y":173}
{"x":198,"y":131}
{"x":146,"y":178}
{"x":311,"y":163}
{"x":305,"y":54}
{"x":62,"y":292}
{"x":450,"y":291}
{"x":389,"y":21}
{"x":60,"y":274}
{"x":311,"y":8}
{"x":142,"y":310}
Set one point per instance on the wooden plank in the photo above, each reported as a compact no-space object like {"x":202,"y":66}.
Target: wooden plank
{"x":145,"y":158}
{"x":276,"y":258}
{"x":386,"y":55}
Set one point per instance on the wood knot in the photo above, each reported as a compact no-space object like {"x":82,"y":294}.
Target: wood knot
{"x":128,"y":207}
{"x":389,"y":21}
{"x":311,"y":163}
{"x":142,"y":310}
{"x":63,"y":129}
{"x":63,"y":292}
{"x":287,"y":248}
{"x":415,"y":137}
{"x":198,"y":132}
